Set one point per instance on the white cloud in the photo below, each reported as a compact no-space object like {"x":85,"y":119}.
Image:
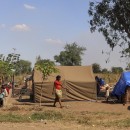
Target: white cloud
{"x":54,"y":41}
{"x":20,"y":27}
{"x":29,"y":7}
{"x":2,"y":25}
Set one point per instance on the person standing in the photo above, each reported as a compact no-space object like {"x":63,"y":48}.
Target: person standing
{"x":3,"y":94}
{"x":97,"y":79}
{"x":107,"y":92}
{"x":57,"y":90}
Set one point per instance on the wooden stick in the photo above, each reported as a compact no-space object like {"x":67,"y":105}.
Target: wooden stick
{"x":41,"y":94}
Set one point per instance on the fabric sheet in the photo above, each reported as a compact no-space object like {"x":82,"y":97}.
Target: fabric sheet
{"x":79,"y":80}
{"x":122,"y":84}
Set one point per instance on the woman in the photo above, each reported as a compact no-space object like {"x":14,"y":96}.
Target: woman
{"x":58,"y":92}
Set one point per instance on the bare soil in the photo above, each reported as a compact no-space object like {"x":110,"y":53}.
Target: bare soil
{"x":94,"y":111}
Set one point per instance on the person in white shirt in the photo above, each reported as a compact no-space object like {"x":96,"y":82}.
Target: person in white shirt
{"x":107,"y":93}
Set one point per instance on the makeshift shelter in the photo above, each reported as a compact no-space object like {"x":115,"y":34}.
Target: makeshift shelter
{"x":122,"y":87}
{"x":79,"y":80}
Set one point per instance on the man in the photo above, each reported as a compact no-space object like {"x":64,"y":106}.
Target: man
{"x":58,"y":92}
{"x":100,"y":84}
{"x":97,"y":84}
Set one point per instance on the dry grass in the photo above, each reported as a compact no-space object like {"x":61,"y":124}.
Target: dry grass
{"x":85,"y":118}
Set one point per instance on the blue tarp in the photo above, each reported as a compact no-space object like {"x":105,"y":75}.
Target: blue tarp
{"x":122,"y":84}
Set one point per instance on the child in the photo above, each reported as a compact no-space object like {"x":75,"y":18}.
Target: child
{"x":107,"y":93}
{"x":57,"y":89}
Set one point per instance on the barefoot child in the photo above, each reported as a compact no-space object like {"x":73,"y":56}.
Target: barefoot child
{"x":58,"y":92}
{"x":107,"y":93}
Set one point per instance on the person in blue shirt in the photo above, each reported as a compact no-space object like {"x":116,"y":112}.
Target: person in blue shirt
{"x":97,"y":79}
{"x":99,"y":83}
{"x":102,"y":82}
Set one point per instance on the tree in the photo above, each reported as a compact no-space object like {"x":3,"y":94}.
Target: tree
{"x":117,"y":70}
{"x":7,"y":64}
{"x":5,"y":69}
{"x":105,"y":70}
{"x":12,"y":59}
{"x":71,"y":55}
{"x":112,"y":19}
{"x":22,"y":67}
{"x":96,"y":68}
{"x":46,"y":66}
{"x":42,"y":61}
{"x":12,"y":63}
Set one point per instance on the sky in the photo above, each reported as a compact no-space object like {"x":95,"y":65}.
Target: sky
{"x":43,"y":27}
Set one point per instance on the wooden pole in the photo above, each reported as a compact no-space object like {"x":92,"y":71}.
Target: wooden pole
{"x":41,"y":94}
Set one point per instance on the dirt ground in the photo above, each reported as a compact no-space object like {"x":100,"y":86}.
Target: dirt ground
{"x":51,"y":126}
{"x":77,"y":113}
{"x":96,"y":110}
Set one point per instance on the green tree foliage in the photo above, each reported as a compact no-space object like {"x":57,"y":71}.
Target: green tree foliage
{"x":71,"y":55}
{"x":117,"y":70}
{"x":22,"y":67}
{"x":112,"y":19}
{"x":46,"y":66}
{"x":12,"y":62}
{"x":8,"y":63}
{"x":104,"y":71}
{"x":11,"y":58}
{"x":39,"y":60}
{"x":5,"y":69}
{"x":96,"y":68}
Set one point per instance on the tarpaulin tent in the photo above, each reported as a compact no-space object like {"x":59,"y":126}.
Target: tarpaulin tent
{"x":122,"y":85}
{"x":78,"y":79}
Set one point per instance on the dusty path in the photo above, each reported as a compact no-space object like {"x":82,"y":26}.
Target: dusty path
{"x":51,"y":126}
{"x":77,"y":107}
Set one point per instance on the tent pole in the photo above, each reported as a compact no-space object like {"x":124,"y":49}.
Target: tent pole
{"x":41,"y":94}
{"x":96,"y":94}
